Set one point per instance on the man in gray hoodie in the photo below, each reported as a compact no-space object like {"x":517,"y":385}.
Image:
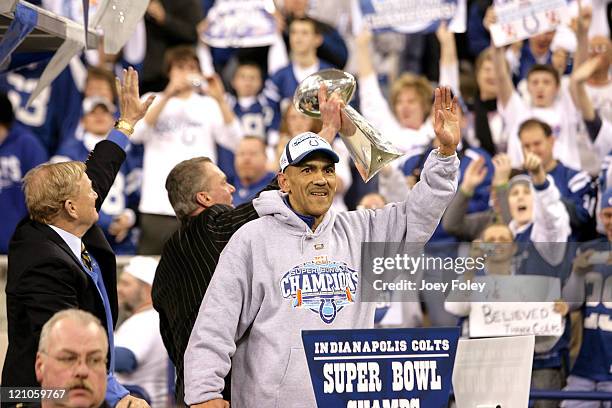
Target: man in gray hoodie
{"x":276,"y":274}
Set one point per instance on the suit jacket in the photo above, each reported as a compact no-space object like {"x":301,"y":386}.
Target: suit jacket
{"x":186,"y":266}
{"x":44,"y":276}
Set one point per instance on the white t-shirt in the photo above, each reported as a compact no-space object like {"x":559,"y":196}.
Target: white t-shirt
{"x":140,"y":334}
{"x":186,"y":128}
{"x":562,"y":118}
{"x":601,"y":98}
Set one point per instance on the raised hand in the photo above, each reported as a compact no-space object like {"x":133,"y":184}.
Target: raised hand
{"x":157,"y":12}
{"x":503,"y":169}
{"x":446,"y":120}
{"x":475,"y":174}
{"x":132,"y":109}
{"x":330,"y":107}
{"x":561,"y":307}
{"x":533,"y":164}
{"x":216,"y":89}
{"x":582,"y":22}
{"x":585,"y":70}
{"x":490,"y":18}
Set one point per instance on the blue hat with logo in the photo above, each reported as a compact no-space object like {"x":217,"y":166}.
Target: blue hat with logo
{"x":303,"y":145}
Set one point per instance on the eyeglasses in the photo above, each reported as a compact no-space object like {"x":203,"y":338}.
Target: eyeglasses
{"x":70,"y":361}
{"x":598,"y":49}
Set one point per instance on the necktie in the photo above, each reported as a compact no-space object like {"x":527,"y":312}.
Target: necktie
{"x":86,"y":259}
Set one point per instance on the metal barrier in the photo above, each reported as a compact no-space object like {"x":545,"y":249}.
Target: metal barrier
{"x":570,"y":395}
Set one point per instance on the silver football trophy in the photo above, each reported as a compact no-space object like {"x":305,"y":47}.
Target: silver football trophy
{"x":368,"y":148}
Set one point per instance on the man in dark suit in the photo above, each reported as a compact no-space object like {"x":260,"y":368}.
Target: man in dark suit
{"x":58,"y":258}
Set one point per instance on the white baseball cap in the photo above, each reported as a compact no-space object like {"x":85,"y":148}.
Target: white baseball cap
{"x":301,"y":146}
{"x":142,"y":268}
{"x":90,"y":103}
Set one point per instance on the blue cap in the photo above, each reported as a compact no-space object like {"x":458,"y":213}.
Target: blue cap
{"x":303,"y":145}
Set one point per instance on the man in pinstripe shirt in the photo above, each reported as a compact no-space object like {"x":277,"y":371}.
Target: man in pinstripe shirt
{"x":202,"y":200}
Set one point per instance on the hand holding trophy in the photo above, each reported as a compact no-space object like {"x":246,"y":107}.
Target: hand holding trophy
{"x":369,"y":150}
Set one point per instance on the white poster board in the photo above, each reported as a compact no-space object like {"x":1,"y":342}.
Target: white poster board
{"x":521,"y":19}
{"x":493,"y":319}
{"x":492,"y":372}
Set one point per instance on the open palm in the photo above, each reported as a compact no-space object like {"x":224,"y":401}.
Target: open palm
{"x":446,"y":120}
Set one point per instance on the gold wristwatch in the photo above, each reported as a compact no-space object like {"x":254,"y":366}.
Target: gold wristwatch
{"x":124,"y":126}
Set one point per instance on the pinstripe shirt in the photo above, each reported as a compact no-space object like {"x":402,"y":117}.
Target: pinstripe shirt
{"x":188,"y":261}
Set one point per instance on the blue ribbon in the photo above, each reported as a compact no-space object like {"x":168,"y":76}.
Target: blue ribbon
{"x":24,"y":22}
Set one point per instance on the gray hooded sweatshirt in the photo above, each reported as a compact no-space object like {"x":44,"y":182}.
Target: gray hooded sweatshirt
{"x":276,"y":277}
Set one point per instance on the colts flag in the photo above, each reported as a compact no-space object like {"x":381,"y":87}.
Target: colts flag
{"x":115,"y":19}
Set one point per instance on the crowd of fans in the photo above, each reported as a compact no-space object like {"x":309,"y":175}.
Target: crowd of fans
{"x":542,"y":106}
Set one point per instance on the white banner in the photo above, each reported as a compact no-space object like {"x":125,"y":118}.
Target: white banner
{"x":240,"y":24}
{"x":521,"y":19}
{"x":514,"y":319}
{"x":408,"y":16}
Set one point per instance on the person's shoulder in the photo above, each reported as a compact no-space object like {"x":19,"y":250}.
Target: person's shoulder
{"x":25,"y":136}
{"x":474,"y":152}
{"x":282,"y":72}
{"x":324,"y":64}
{"x":600,"y":243}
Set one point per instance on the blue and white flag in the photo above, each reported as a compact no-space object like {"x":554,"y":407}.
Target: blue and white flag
{"x":378,"y":368}
{"x":240,"y":24}
{"x":23,"y":23}
{"x":408,"y":16}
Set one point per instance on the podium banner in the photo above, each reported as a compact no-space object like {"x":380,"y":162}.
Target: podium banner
{"x":403,"y":368}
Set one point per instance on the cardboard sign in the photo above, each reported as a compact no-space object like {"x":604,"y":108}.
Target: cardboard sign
{"x":521,"y":19}
{"x":488,"y":319}
{"x":378,"y":368}
{"x":493,"y":372}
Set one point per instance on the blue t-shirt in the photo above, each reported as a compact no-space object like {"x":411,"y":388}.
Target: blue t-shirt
{"x":20,"y":152}
{"x":53,"y":113}
{"x":280,"y":87}
{"x":578,"y":188}
{"x":595,"y":358}
{"x":244,"y":194}
{"x":255,"y":118}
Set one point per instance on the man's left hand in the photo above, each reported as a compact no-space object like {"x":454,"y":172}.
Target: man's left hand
{"x":446,"y":121}
{"x":132,"y":109}
{"x":132,"y":402}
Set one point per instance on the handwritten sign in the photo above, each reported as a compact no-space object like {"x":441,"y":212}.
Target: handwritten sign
{"x":521,"y":19}
{"x":514,"y":319}
{"x":378,"y":368}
